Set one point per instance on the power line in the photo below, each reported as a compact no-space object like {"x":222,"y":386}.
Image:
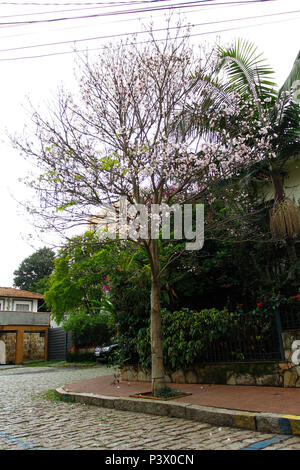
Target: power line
{"x":73,"y":3}
{"x":64,"y":29}
{"x":122,"y":12}
{"x":143,"y":32}
{"x":100,"y":5}
{"x":108,"y":5}
{"x":145,"y":42}
{"x":93,"y":3}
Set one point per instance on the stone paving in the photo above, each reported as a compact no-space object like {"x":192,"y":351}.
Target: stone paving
{"x":29,"y":421}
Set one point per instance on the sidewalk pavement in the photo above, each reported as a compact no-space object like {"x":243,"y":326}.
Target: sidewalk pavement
{"x":259,"y":408}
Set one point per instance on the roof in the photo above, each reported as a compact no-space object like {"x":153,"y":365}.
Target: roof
{"x":22,"y":294}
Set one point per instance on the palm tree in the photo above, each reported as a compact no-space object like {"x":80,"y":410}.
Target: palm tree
{"x":293,"y":76}
{"x":247,"y":74}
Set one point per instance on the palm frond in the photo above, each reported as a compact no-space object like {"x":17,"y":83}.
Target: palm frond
{"x":293,"y":76}
{"x":286,"y":119}
{"x":195,"y":118}
{"x":247,"y":71}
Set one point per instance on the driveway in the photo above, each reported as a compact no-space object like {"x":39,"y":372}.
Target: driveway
{"x":30,"y":421}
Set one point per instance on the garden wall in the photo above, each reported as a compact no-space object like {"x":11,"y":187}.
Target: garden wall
{"x":10,"y":345}
{"x":275,"y":374}
{"x":34,"y":346}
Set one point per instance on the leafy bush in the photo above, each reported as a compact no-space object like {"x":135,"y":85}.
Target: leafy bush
{"x":188,"y":333}
{"x":90,"y":329}
{"x":185,"y":333}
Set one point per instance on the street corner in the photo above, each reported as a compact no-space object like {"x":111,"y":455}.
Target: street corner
{"x":279,"y":424}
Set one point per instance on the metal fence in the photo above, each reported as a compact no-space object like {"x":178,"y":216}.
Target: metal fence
{"x":59,"y":344}
{"x":290,"y":316}
{"x":249,"y":338}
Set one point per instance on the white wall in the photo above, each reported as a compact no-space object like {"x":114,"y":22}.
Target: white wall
{"x":291,"y":183}
{"x":9,"y":303}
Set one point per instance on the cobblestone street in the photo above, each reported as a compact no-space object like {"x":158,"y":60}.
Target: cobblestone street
{"x":29,"y":421}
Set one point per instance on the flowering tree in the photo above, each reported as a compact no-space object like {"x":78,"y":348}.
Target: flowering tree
{"x":128,"y":136}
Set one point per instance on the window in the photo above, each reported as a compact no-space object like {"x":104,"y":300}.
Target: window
{"x":22,"y":307}
{"x":1,"y":304}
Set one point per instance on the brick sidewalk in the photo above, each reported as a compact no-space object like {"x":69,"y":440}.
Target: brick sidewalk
{"x":233,"y":397}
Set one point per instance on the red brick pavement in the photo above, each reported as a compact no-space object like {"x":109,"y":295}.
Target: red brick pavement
{"x":235,"y":397}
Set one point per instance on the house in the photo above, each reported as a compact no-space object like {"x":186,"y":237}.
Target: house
{"x":23,"y":327}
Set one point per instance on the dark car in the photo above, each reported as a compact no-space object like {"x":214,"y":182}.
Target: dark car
{"x":105,"y":352}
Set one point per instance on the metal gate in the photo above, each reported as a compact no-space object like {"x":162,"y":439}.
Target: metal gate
{"x":59,"y":344}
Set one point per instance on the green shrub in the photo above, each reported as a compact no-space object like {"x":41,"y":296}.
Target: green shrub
{"x":188,"y":333}
{"x":185,"y":334}
{"x":89,"y":329}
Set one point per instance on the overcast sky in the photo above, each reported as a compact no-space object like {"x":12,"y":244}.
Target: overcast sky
{"x":275,"y":34}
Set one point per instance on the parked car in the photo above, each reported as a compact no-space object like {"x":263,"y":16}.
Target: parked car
{"x":105,"y":352}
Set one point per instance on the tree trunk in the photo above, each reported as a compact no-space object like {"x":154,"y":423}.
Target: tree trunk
{"x":279,"y":196}
{"x":158,"y":372}
{"x":278,"y":185}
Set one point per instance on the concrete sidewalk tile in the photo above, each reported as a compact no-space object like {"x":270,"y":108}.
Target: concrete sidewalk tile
{"x":140,"y":405}
{"x":269,"y":422}
{"x":177,"y":410}
{"x":246,"y":420}
{"x":284,"y":425}
{"x":155,"y":407}
{"x":88,"y":398}
{"x":294,"y":423}
{"x":216,"y":416}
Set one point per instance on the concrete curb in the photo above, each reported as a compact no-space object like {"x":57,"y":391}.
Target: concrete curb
{"x":263,"y":422}
{"x":7,"y":367}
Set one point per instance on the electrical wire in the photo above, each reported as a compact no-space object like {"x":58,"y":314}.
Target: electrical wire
{"x":149,"y":41}
{"x":72,"y":10}
{"x":100,"y":6}
{"x":122,"y":12}
{"x":74,"y":41}
{"x":95,"y":3}
{"x":64,"y":29}
{"x":76,"y":4}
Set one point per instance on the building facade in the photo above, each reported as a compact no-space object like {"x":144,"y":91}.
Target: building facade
{"x":23,"y":327}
